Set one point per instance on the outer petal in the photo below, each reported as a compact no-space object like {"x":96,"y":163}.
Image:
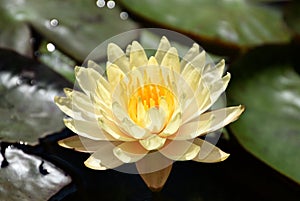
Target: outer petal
{"x":87,"y":129}
{"x":104,"y":158}
{"x":114,"y":75}
{"x":116,"y":56}
{"x":129,"y":152}
{"x":171,"y":60}
{"x":96,"y":67}
{"x":199,"y":61}
{"x":193,"y":129}
{"x":86,"y":78}
{"x":152,"y":162}
{"x":79,"y":144}
{"x":206,"y":96}
{"x":162,"y":49}
{"x":188,"y":57}
{"x":180,"y":150}
{"x":138,"y":56}
{"x":209,"y":153}
{"x":222,"y":117}
{"x":111,"y":128}
{"x":212,"y":74}
{"x":216,"y":119}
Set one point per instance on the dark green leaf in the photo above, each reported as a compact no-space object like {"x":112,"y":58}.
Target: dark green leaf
{"x":270,"y":127}
{"x":230,"y":24}
{"x":75,"y":26}
{"x":27,"y":89}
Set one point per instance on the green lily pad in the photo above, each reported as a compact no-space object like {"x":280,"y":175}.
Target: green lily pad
{"x":57,"y":61}
{"x":14,"y":34}
{"x":27,"y":89}
{"x":232,"y":24}
{"x":76,"y":27}
{"x":23,"y":180}
{"x":269,"y":128}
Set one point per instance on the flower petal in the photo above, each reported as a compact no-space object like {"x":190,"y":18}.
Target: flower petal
{"x":156,"y":119}
{"x":171,"y":60}
{"x":180,"y":150}
{"x":138,"y":56}
{"x":114,"y":75}
{"x":206,"y":96}
{"x":162,"y":49}
{"x":129,"y":152}
{"x":125,"y":122}
{"x":156,"y":180}
{"x":199,"y":61}
{"x":222,"y":117}
{"x":209,"y":153}
{"x":96,"y":67}
{"x":152,"y":162}
{"x":152,"y":61}
{"x":88,"y":129}
{"x":104,"y":157}
{"x":173,"y":124}
{"x":211,"y":74}
{"x":74,"y":110}
{"x":116,"y":56}
{"x":80,"y":144}
{"x":111,"y":128}
{"x":188,"y":57}
{"x":86,"y":78}
{"x":152,"y":142}
{"x":193,"y":129}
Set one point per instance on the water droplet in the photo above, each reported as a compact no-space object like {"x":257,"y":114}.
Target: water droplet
{"x":111,"y":4}
{"x":50,"y":47}
{"x":100,"y":3}
{"x":54,"y":22}
{"x":124,"y":15}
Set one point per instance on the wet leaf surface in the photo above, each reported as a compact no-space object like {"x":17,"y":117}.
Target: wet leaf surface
{"x":27,"y":89}
{"x":76,"y":27}
{"x":218,"y":24}
{"x":28,"y":177}
{"x":269,"y":87}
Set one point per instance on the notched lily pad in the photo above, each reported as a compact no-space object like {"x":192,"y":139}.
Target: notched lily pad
{"x":270,"y":127}
{"x":27,"y":89}
{"x":29,"y":178}
{"x":231,"y":24}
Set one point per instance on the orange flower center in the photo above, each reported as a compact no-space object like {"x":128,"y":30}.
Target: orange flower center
{"x":149,"y":96}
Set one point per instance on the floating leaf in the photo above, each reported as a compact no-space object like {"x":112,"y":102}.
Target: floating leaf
{"x":75,"y":26}
{"x":27,"y":89}
{"x":270,"y":127}
{"x":232,"y":24}
{"x":57,"y":61}
{"x":14,"y":34}
{"x":29,"y":178}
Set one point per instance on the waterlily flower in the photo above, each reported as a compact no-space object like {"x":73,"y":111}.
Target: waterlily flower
{"x":147,"y":111}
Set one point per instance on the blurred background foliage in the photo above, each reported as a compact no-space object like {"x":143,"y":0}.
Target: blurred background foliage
{"x":41,"y":41}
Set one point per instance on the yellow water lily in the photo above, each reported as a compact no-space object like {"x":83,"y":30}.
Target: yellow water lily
{"x":148,"y":111}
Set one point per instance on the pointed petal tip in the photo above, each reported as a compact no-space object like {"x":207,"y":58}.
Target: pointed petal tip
{"x":225,"y":156}
{"x":94,"y":164}
{"x":155,"y":181}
